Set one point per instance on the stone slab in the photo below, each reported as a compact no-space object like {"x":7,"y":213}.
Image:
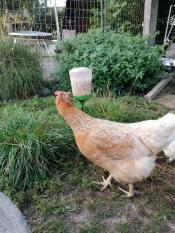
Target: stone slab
{"x":11,"y":219}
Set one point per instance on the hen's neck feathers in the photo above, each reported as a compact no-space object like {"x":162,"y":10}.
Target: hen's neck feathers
{"x":75,"y":118}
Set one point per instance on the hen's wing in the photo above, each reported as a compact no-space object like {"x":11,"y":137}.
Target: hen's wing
{"x":116,"y":141}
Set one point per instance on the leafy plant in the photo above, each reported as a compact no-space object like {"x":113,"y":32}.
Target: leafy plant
{"x":20,"y":71}
{"x":121,"y":62}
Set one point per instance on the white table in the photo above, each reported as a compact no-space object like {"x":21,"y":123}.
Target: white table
{"x":36,"y":35}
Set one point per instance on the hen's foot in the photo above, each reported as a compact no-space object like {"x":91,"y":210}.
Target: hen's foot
{"x":105,"y":183}
{"x":129,"y":193}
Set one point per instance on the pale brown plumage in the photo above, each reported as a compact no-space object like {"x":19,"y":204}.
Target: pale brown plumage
{"x":110,"y":145}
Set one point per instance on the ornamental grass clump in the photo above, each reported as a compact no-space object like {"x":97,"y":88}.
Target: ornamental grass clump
{"x":33,"y":145}
{"x":20,"y":71}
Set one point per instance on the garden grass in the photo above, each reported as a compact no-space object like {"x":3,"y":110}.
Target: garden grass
{"x":69,"y":202}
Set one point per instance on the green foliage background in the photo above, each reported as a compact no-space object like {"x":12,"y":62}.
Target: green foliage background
{"x":120,"y":62}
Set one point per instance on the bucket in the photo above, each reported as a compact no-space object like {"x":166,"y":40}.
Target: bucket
{"x":81,"y":81}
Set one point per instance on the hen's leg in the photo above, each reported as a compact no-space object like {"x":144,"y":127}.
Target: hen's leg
{"x":131,"y":191}
{"x":105,"y":183}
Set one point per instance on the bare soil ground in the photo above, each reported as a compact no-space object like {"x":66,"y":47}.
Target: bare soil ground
{"x":73,"y":204}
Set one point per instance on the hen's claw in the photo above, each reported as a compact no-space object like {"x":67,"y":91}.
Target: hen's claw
{"x":105,"y":183}
{"x":129,"y":193}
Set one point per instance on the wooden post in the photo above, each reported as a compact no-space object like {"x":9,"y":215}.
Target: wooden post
{"x":56,"y":20}
{"x":157,"y":89}
{"x":101,"y":15}
{"x":150,"y":18}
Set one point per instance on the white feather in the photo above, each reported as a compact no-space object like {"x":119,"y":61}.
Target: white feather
{"x":157,"y":134}
{"x":169,"y":151}
{"x":145,"y":165}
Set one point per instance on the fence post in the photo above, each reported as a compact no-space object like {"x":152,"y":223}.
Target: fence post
{"x":101,"y":15}
{"x":150,"y":18}
{"x":56,"y":20}
{"x":105,"y":9}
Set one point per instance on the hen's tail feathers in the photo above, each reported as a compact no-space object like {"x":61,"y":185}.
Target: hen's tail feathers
{"x":145,"y":165}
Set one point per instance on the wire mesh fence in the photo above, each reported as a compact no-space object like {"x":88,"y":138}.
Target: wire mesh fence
{"x":121,"y":16}
{"x":64,"y":21}
{"x":29,"y":16}
{"x":76,"y":16}
{"x":124,"y":16}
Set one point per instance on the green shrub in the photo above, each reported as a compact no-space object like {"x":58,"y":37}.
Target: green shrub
{"x":119,"y":61}
{"x":20,"y":71}
{"x":32,"y":145}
